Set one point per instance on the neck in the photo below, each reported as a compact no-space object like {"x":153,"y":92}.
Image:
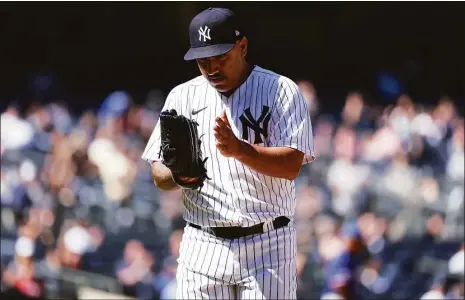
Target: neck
{"x":243,"y":77}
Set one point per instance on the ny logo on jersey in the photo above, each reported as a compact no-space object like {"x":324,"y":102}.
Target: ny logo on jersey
{"x":204,"y":33}
{"x":248,"y":121}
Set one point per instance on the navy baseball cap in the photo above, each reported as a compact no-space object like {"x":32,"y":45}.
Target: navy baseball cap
{"x":212,"y":32}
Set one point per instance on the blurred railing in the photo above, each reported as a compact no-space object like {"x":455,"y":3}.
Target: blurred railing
{"x":69,"y":284}
{"x":86,"y":293}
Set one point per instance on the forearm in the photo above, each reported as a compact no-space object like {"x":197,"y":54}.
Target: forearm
{"x":162,"y":177}
{"x":281,"y":162}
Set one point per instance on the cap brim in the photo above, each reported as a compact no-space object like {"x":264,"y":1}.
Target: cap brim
{"x":208,"y":51}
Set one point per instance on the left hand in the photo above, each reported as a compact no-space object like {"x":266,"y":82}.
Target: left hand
{"x":227,"y":142}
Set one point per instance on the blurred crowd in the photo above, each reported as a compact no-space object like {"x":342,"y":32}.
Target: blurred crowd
{"x":380,"y":212}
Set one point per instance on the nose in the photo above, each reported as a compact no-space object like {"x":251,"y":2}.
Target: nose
{"x":213,"y":66}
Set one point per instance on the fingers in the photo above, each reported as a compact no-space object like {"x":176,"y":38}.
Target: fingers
{"x":221,"y":123}
{"x":221,"y":130}
{"x":223,"y":114}
{"x":224,"y":117}
{"x":220,"y":136}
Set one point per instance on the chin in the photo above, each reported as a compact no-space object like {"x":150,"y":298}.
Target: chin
{"x":222,"y":88}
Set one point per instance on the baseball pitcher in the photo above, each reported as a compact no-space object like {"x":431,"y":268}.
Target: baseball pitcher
{"x":233,"y":139}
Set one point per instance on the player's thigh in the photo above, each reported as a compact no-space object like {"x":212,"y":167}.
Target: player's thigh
{"x":276,"y":282}
{"x":270,"y":262}
{"x":193,"y":285}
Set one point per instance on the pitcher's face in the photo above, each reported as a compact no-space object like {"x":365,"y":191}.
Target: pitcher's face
{"x":224,"y":72}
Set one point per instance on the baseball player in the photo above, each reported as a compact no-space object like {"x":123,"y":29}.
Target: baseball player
{"x":254,"y":133}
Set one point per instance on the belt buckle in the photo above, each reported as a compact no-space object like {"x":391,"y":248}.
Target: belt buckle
{"x":268,"y":226}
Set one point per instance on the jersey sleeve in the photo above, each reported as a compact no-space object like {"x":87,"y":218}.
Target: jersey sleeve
{"x":290,"y":124}
{"x":152,"y":149}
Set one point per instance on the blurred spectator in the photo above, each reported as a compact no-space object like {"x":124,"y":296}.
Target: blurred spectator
{"x":16,"y":133}
{"x":345,"y":177}
{"x":49,"y":269}
{"x":384,"y":144}
{"x":449,"y":281}
{"x":303,"y":290}
{"x":377,"y":214}
{"x":72,"y":245}
{"x":114,"y":106}
{"x":455,"y":165}
{"x":165,"y":282}
{"x":324,"y":131}
{"x":60,"y":117}
{"x":355,"y":113}
{"x":309,"y":92}
{"x":399,"y":181}
{"x":135,"y":270}
{"x":115,"y":170}
{"x":20,"y":274}
{"x":337,"y":276}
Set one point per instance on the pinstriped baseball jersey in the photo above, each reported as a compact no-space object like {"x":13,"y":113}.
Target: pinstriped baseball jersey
{"x":267,"y":109}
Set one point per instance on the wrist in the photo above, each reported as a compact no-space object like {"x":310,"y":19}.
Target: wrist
{"x":241,"y":151}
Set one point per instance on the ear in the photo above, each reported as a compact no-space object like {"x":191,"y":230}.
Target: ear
{"x":243,"y":44}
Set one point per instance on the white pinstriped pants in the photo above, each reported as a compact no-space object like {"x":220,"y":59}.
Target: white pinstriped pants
{"x":256,"y":267}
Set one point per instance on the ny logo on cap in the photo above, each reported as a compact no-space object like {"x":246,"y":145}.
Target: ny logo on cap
{"x":205,"y":33}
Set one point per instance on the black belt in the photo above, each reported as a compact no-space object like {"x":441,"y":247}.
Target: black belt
{"x":236,"y":232}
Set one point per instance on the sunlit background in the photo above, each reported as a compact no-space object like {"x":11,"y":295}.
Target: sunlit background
{"x":381,"y":210}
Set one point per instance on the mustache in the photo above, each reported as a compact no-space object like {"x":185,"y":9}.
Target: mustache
{"x":215,"y":76}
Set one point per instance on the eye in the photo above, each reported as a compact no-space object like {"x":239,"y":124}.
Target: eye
{"x":221,"y":56}
{"x":201,"y":61}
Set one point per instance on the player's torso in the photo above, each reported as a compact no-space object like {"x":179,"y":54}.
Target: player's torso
{"x":236,"y":195}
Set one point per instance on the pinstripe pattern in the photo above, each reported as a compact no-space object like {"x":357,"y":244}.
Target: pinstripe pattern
{"x":237,"y":195}
{"x":256,"y":267}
